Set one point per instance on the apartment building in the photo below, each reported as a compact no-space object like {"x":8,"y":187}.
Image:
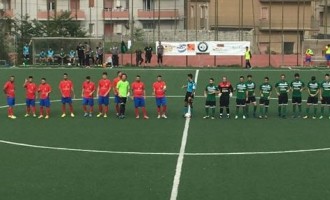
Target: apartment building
{"x":104,"y":17}
{"x":279,"y":25}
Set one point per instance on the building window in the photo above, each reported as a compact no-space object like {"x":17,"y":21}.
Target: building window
{"x":108,"y":4}
{"x":148,"y":4}
{"x":149,"y":25}
{"x":264,"y":13}
{"x":51,"y":5}
{"x":321,"y":18}
{"x":74,"y":4}
{"x":192,"y":9}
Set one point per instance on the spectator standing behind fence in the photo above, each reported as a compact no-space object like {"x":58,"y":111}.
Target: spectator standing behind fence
{"x":87,"y":54}
{"x":148,"y":54}
{"x":62,"y":56}
{"x":247,"y":56}
{"x":308,"y":56}
{"x":115,"y":57}
{"x":160,"y":53}
{"x":80,"y":51}
{"x":99,"y":54}
{"x":327,"y":55}
{"x":139,"y":59}
{"x":50,"y":56}
{"x":26,"y":53}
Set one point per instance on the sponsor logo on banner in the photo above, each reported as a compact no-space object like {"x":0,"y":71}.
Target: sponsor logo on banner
{"x":229,"y":48}
{"x":179,"y":48}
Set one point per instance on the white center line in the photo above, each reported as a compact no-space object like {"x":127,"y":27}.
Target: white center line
{"x":177,"y":176}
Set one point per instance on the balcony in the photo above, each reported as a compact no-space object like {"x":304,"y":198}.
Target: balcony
{"x":164,"y":14}
{"x":75,"y":14}
{"x":8,"y":13}
{"x":289,"y":26}
{"x":115,"y":14}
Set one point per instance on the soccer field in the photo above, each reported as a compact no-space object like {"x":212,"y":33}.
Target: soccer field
{"x":161,"y":159}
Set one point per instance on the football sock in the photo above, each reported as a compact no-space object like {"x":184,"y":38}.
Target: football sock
{"x":136,"y":111}
{"x":322,"y":110}
{"x":85,"y":108}
{"x":91,"y":109}
{"x":299,"y":109}
{"x":41,"y":110}
{"x":207,"y":111}
{"x":227,"y":110}
{"x":261,"y":110}
{"x":266,"y":110}
{"x":34,"y":110}
{"x":71,"y":108}
{"x":284,"y":110}
{"x":307,"y":110}
{"x":164,"y":109}
{"x":100,"y":108}
{"x":237,"y":110}
{"x":158,"y":110}
{"x":279,"y":110}
{"x":315,"y":110}
{"x":28,"y":110}
{"x":254,"y":110}
{"x":144,"y":111}
{"x":106,"y":109}
{"x":117,"y":108}
{"x":294,"y":109}
{"x":213,"y":112}
{"x":47,"y":111}
{"x":63,"y":108}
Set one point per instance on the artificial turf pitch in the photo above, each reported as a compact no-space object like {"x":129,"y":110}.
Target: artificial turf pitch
{"x":122,"y":165}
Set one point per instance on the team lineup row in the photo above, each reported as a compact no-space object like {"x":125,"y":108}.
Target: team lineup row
{"x":121,"y":89}
{"x":246,"y":96}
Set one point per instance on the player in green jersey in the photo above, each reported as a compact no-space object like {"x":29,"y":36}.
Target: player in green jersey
{"x":313,"y":89}
{"x":251,"y":86}
{"x":123,"y":88}
{"x":241,"y":96}
{"x":297,"y":86}
{"x":210,"y":92}
{"x":325,"y":95}
{"x":265,"y":93}
{"x":282,"y":90}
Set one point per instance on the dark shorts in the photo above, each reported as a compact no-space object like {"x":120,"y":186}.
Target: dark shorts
{"x":26,"y":56}
{"x":66,"y":100}
{"x":117,"y":100}
{"x":139,"y":102}
{"x":188,"y":94}
{"x":224,"y":101}
{"x":263,"y":101}
{"x":308,"y":59}
{"x":88,"y":101}
{"x":327,"y":57}
{"x":312,"y":100}
{"x":240,"y":102}
{"x":296,"y":100}
{"x":103,"y":100}
{"x":251,"y":99}
{"x":123,"y":100}
{"x":45,"y":102}
{"x":30,"y":102}
{"x":161,"y":101}
{"x":210,"y":104}
{"x":283,"y":99}
{"x":325,"y":101}
{"x":10,"y":101}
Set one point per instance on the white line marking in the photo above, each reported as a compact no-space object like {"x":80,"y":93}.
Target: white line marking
{"x":178,"y":169}
{"x":163,"y":153}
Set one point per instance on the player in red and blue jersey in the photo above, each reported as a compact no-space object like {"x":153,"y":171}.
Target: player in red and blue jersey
{"x":87,"y":93}
{"x":30,"y":91}
{"x":159,"y":90}
{"x":44,"y":90}
{"x":117,"y":99}
{"x":138,"y":90}
{"x":67,"y":92}
{"x":9,"y":90}
{"x":103,"y":91}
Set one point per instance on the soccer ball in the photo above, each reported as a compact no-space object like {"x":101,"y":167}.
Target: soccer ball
{"x":187,"y":115}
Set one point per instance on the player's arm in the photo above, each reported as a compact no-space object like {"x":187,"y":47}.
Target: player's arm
{"x":5,"y":89}
{"x":109,"y":90}
{"x":246,"y":94}
{"x":82,"y":92}
{"x":60,"y":89}
{"x":25,"y":83}
{"x":205,"y":92}
{"x":72,"y":91}
{"x":153,"y":90}
{"x":320,"y":92}
{"x":50,"y":90}
{"x":98,"y":90}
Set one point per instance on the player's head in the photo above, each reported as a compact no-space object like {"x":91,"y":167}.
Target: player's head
{"x":247,"y":48}
{"x":313,"y":78}
{"x":282,"y":77}
{"x":224,"y":78}
{"x":88,"y":78}
{"x":296,"y":76}
{"x":104,"y":75}
{"x":119,"y":73}
{"x":43,"y":80}
{"x":249,"y":77}
{"x":12,"y":78}
{"x":123,"y":76}
{"x":190,"y":77}
{"x":65,"y":76}
{"x":266,"y":79}
{"x":159,"y":78}
{"x":241,"y":79}
{"x":327,"y":77}
{"x":138,"y":78}
{"x":211,"y":80}
{"x":30,"y":79}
